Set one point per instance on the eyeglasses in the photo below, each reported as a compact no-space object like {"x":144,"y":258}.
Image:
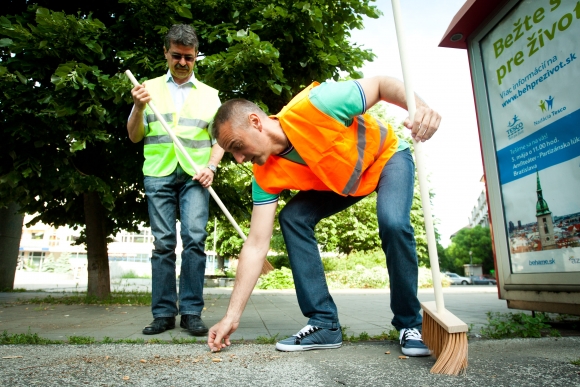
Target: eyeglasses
{"x":188,"y":58}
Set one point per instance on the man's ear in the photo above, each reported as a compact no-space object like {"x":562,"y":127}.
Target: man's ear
{"x":255,"y":121}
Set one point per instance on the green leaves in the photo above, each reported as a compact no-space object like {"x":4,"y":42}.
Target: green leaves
{"x":64,"y":119}
{"x":277,"y":279}
{"x":77,"y":146}
{"x":268,"y":51}
{"x":184,"y":12}
{"x":508,"y":325}
{"x":65,"y":99}
{"x":21,"y":77}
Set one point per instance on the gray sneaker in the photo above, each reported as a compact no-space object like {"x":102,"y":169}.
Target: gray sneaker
{"x":412,"y":342}
{"x":311,"y":337}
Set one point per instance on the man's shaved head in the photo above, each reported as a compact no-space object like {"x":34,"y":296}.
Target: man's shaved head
{"x":234,"y":111}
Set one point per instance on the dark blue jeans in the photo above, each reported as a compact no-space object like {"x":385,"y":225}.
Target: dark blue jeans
{"x":394,"y":199}
{"x":165,"y":195}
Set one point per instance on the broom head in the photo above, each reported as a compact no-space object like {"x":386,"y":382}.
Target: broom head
{"x":446,"y":337}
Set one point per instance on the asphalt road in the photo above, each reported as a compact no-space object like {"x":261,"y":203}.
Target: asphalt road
{"x":516,"y":362}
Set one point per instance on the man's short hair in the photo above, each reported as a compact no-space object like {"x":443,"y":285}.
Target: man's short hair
{"x":234,"y":111}
{"x":182,"y":34}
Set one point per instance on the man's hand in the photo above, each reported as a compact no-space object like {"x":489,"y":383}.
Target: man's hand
{"x":425,"y":124}
{"x":391,"y":90}
{"x":218,"y":336}
{"x":140,"y":97}
{"x":205,"y":177}
{"x":135,"y":125}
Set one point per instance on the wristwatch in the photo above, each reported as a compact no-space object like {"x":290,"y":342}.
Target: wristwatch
{"x":212,"y":167}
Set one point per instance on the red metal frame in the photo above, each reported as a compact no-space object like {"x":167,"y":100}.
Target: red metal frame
{"x":468,"y":19}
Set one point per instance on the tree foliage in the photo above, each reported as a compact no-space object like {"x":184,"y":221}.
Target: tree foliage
{"x":478,"y":241}
{"x":65,"y":101}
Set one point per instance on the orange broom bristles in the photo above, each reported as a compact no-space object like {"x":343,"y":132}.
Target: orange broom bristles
{"x":450,"y":349}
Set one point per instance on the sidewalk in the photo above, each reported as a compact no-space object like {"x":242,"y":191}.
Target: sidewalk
{"x":514,"y":362}
{"x":268,"y":312}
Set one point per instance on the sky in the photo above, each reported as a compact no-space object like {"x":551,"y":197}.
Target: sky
{"x":441,"y":77}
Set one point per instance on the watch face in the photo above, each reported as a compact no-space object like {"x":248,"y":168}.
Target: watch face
{"x":212,"y":167}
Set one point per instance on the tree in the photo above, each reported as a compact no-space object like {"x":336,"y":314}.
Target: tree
{"x":65,"y":100}
{"x":56,"y":115}
{"x":478,"y":241}
{"x":445,"y":262}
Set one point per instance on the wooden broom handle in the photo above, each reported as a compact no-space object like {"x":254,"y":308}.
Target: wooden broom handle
{"x":420,"y":162}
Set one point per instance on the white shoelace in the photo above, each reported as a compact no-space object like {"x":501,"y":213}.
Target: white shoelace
{"x":410,"y":334}
{"x":308,"y":329}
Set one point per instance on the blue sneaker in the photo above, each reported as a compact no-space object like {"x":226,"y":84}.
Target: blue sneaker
{"x":412,"y":343}
{"x":311,"y":337}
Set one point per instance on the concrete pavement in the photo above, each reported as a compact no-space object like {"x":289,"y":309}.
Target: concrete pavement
{"x":268,"y":313}
{"x":514,"y":362}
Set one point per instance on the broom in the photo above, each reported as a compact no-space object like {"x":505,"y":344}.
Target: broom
{"x":443,"y":333}
{"x":267,"y":267}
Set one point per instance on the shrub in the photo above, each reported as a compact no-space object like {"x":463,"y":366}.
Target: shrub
{"x":502,"y":325}
{"x":230,"y":272}
{"x":279,"y":261}
{"x":360,"y":277}
{"x":277,"y":279}
{"x":367,"y":259}
{"x":359,"y":270}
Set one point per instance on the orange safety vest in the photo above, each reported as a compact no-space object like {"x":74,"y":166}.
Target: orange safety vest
{"x":345,"y":159}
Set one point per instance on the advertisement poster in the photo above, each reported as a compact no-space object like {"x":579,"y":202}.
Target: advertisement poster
{"x":532,"y":73}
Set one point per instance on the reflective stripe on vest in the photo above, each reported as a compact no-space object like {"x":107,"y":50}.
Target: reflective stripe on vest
{"x":346,"y":160}
{"x":165,"y":139}
{"x":190,"y":126}
{"x":182,"y":120}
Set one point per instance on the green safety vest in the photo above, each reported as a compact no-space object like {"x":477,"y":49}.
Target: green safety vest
{"x":190,"y":126}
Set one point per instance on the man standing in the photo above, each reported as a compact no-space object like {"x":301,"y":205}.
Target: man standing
{"x":323,"y":145}
{"x":188,"y":106}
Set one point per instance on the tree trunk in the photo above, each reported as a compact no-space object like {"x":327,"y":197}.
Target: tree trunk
{"x":99,"y":283}
{"x":10,"y":232}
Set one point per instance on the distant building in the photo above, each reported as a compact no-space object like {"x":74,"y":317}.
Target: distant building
{"x":480,"y":213}
{"x":128,"y":252}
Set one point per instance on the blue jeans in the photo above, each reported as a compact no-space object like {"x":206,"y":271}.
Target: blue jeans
{"x":166,"y":195}
{"x":394,"y":199}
